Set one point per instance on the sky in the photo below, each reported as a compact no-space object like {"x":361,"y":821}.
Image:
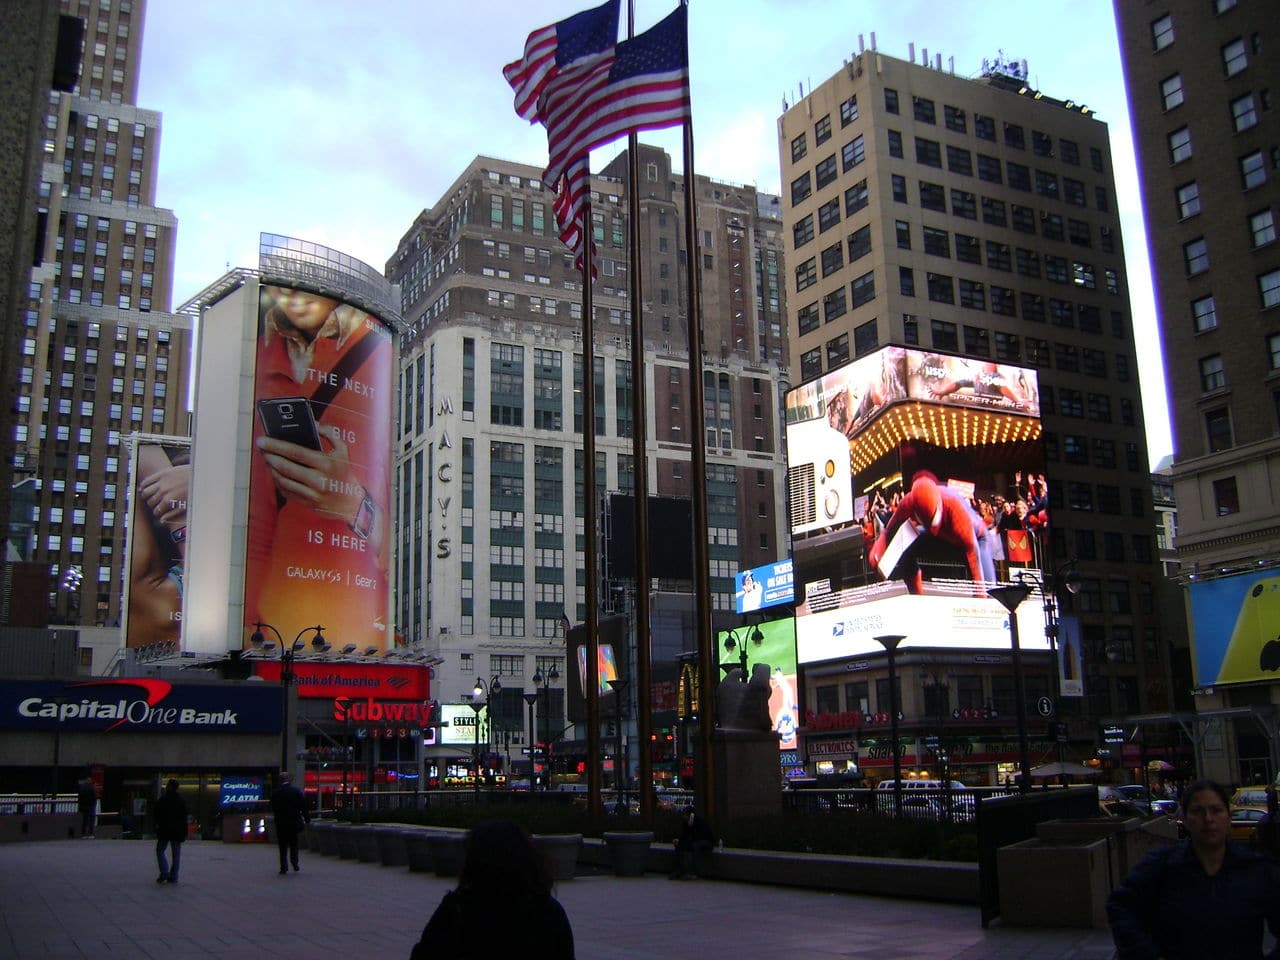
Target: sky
{"x":339,"y":122}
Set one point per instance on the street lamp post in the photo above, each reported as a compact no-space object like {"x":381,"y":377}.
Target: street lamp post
{"x":890,"y":643}
{"x":619,"y":764}
{"x":260,"y":642}
{"x":1010,"y":595}
{"x":731,"y":642}
{"x":487,"y":691}
{"x":531,"y":699}
{"x":544,"y":682}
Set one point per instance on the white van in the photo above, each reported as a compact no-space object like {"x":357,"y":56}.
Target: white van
{"x":931,"y":785}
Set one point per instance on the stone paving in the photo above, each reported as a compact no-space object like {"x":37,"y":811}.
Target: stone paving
{"x":99,"y":899}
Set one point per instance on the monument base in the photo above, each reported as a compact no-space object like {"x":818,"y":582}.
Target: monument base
{"x":748,"y":776}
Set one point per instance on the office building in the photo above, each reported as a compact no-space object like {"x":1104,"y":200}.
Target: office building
{"x":93,"y":352}
{"x":975,"y":220}
{"x":489,"y":457}
{"x":1200,"y":80}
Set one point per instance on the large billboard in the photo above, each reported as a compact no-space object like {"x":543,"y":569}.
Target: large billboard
{"x":159,"y":489}
{"x":1235,"y":624}
{"x":773,"y":643}
{"x":764,"y":586}
{"x":320,"y":481}
{"x":916,"y":484}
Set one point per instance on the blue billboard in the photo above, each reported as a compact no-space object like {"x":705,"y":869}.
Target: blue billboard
{"x":761,"y":587}
{"x":139,"y":705}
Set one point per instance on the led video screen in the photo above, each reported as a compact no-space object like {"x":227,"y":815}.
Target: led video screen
{"x":1235,"y":624}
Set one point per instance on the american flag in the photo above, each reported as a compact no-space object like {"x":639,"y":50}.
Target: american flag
{"x":571,"y":196}
{"x":641,"y":84}
{"x":550,"y":48}
{"x":565,"y":625}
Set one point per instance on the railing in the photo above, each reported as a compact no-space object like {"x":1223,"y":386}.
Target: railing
{"x":34,"y":803}
{"x":958,"y":806}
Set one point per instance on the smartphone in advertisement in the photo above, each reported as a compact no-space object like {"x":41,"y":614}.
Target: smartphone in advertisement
{"x":1252,"y":652}
{"x":290,"y":418}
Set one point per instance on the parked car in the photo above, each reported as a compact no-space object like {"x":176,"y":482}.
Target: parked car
{"x":1244,"y":821}
{"x":1251,"y":796}
{"x":1137,"y":793}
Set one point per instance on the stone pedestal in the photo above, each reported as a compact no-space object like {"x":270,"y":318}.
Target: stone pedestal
{"x":748,"y":777}
{"x":629,"y":851}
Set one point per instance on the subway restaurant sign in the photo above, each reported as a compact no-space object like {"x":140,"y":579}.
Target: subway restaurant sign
{"x":120,"y":706}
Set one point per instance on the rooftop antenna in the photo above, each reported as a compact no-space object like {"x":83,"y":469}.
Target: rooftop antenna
{"x":911,"y":52}
{"x":861,"y":48}
{"x":924,"y":59}
{"x":938,"y":62}
{"x":873,"y":39}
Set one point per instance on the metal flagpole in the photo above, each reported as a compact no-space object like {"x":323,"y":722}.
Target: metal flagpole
{"x":639,"y":456}
{"x":589,"y":506}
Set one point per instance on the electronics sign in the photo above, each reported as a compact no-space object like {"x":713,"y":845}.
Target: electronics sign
{"x":764,"y":586}
{"x":1235,"y":623}
{"x":320,"y":481}
{"x":777,"y":649}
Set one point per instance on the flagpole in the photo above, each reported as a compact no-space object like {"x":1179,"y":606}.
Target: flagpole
{"x":590,"y":550}
{"x":708,"y":666}
{"x":639,"y":456}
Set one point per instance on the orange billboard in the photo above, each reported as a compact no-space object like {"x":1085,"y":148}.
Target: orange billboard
{"x":320,"y":482}
{"x":157,"y":540}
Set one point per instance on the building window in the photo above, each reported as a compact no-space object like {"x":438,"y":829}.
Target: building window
{"x":1171,"y":91}
{"x":859,"y":243}
{"x":837,"y":351}
{"x":848,"y":111}
{"x":1217,"y":428}
{"x":1213,"y":376}
{"x":906,"y":281}
{"x":999,"y":256}
{"x":833,"y":257}
{"x":802,"y":231}
{"x":911,"y":329}
{"x":856,"y":198}
{"x":1179,"y":144}
{"x":799,"y":147}
{"x":864,"y":289}
{"x":822,"y":131}
{"x":895,"y":144}
{"x":924,"y":110}
{"x":959,"y":161}
{"x":1262,"y":228}
{"x":1196,"y":256}
{"x":825,"y":172}
{"x":972,"y":295}
{"x":811,"y":363}
{"x":903,"y":230}
{"x":928,"y":152}
{"x":968,"y":249}
{"x":899,"y":184}
{"x":1162,"y":32}
{"x":937,"y":242}
{"x":1234,"y":58}
{"x":1019,"y":176}
{"x":1225,"y":497}
{"x":1204,"y":314}
{"x":800,"y":188}
{"x":1188,"y":200}
{"x":1273,"y":351}
{"x":964,"y":204}
{"x":993,"y":212}
{"x":1269,"y":289}
{"x":990,"y":169}
{"x":834,"y":304}
{"x":945,"y":336}
{"x":806,"y":274}
{"x":984,"y":127}
{"x":890,"y":100}
{"x":941,"y":288}
{"x":807,"y":318}
{"x":853,"y":153}
{"x":828,"y":215}
{"x":954,"y":119}
{"x":1253,"y":171}
{"x":1244,"y":114}
{"x":1014,"y":136}
{"x":933,"y":197}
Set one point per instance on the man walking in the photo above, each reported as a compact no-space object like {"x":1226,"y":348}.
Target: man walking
{"x":290,"y":809}
{"x":171,"y":829}
{"x":87,"y":803}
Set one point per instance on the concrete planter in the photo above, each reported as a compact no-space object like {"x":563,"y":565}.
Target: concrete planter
{"x":629,"y":851}
{"x":329,"y":838}
{"x":311,"y":836}
{"x":561,"y":851}
{"x":417,"y":846}
{"x":346,"y":841}
{"x":391,"y":849}
{"x":447,"y":853}
{"x":366,"y":844}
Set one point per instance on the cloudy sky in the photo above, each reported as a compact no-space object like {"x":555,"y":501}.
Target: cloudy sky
{"x":339,"y":122}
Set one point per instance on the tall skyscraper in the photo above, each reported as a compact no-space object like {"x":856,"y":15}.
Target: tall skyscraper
{"x":976,"y":219}
{"x":96,"y":353}
{"x":489,"y":451}
{"x":1200,"y":79}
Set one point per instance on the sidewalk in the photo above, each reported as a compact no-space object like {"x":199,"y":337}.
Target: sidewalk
{"x":99,"y":899}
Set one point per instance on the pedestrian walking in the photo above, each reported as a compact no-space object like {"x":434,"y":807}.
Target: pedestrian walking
{"x":171,"y":829}
{"x":290,"y":809}
{"x":87,"y":804}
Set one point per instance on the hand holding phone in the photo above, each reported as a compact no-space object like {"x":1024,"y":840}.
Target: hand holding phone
{"x":290,"y":419}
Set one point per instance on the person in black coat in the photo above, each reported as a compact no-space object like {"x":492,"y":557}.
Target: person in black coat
{"x":290,"y":809}
{"x":170,"y":813}
{"x":502,"y":870}
{"x":696,"y":839}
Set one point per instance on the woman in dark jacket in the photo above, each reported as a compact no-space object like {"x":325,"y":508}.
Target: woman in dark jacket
{"x":502,"y":870}
{"x":1204,"y":897}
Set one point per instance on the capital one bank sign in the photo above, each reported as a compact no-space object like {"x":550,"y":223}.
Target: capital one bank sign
{"x":138,"y":705}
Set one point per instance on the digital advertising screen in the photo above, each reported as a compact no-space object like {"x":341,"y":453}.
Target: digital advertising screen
{"x":764,"y":586}
{"x":1235,"y":628}
{"x":160,"y":487}
{"x":941,"y":467}
{"x":777,"y":649}
{"x":320,"y":479}
{"x":610,"y":665}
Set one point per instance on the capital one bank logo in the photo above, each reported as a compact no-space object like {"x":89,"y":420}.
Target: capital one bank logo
{"x":122,"y":702}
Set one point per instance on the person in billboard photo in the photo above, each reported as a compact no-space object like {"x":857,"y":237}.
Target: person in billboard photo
{"x":985,"y":383}
{"x":162,"y":474}
{"x":752,"y":592}
{"x":320,"y":480}
{"x":852,"y":406}
{"x":935,"y":513}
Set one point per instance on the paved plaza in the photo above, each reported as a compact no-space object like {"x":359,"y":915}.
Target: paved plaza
{"x":99,"y":899}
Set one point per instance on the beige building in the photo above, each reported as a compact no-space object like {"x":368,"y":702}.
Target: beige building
{"x":94,"y":353}
{"x":1200,"y":79}
{"x":978,"y":218}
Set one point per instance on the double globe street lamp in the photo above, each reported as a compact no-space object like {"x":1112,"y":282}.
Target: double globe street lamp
{"x":482,"y":695}
{"x":543,"y":682}
{"x":260,"y":643}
